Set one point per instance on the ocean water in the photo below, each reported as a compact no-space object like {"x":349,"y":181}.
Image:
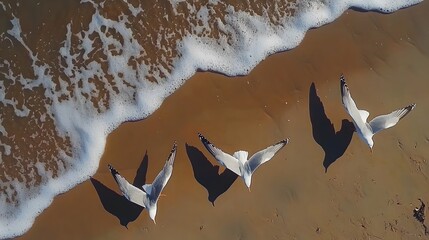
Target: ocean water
{"x":71,"y":72}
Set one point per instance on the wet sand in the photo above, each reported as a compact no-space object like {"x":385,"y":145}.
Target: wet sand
{"x":363,"y":195}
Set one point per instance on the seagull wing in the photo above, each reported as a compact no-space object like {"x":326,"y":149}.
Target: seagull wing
{"x":389,"y":120}
{"x":163,"y":176}
{"x":265,"y":155}
{"x":224,"y":159}
{"x":130,"y":192}
{"x":358,"y":116}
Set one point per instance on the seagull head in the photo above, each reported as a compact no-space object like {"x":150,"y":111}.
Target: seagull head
{"x":247,"y":181}
{"x":152,"y":213}
{"x":370,"y":143}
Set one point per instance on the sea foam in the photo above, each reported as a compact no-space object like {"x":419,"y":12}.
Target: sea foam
{"x":104,"y":75}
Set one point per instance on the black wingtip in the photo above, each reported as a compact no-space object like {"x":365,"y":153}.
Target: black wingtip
{"x":110,"y":168}
{"x":200,"y":136}
{"x":207,"y":144}
{"x":406,"y":110}
{"x":113,"y":172}
{"x":174,"y":146}
{"x":203,"y":139}
{"x":343,"y":81}
{"x":284,"y":141}
{"x":173,"y":151}
{"x":343,"y":86}
{"x":410,"y":107}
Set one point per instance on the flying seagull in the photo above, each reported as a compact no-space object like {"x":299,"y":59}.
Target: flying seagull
{"x":367,"y":130}
{"x":146,"y":197}
{"x":238,"y":162}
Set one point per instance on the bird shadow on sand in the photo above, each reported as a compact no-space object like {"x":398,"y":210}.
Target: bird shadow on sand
{"x":334,"y":144}
{"x":118,"y":205}
{"x":208,"y":175}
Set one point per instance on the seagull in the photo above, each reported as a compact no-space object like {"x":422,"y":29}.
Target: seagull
{"x":146,"y":197}
{"x":238,"y":162}
{"x":367,"y":130}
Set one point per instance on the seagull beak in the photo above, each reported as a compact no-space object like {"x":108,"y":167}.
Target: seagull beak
{"x":370,"y":150}
{"x":249,"y":189}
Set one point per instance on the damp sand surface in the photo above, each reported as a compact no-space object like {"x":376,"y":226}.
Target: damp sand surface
{"x":293,"y":94}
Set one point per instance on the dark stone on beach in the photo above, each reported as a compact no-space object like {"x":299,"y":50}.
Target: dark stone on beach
{"x":419,"y":213}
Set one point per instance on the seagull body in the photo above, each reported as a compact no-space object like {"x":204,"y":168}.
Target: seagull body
{"x":364,"y":129}
{"x":148,"y":196}
{"x":238,"y":162}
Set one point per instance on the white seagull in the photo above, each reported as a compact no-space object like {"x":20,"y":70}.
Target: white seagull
{"x":367,"y":130}
{"x":238,"y":162}
{"x":146,"y":197}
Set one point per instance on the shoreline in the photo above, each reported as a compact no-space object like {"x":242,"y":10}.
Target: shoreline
{"x":274,"y":97}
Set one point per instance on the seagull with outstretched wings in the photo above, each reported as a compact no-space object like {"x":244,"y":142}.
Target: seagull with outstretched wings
{"x":364,"y":129}
{"x":238,"y":162}
{"x":146,"y":197}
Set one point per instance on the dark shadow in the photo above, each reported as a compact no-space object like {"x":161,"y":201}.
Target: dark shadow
{"x":378,"y":10}
{"x":118,"y":205}
{"x":140,"y":178}
{"x":361,"y":10}
{"x":218,"y":72}
{"x":333,"y":143}
{"x":208,"y":175}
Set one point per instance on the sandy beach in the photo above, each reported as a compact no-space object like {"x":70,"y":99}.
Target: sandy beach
{"x":361,"y":195}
